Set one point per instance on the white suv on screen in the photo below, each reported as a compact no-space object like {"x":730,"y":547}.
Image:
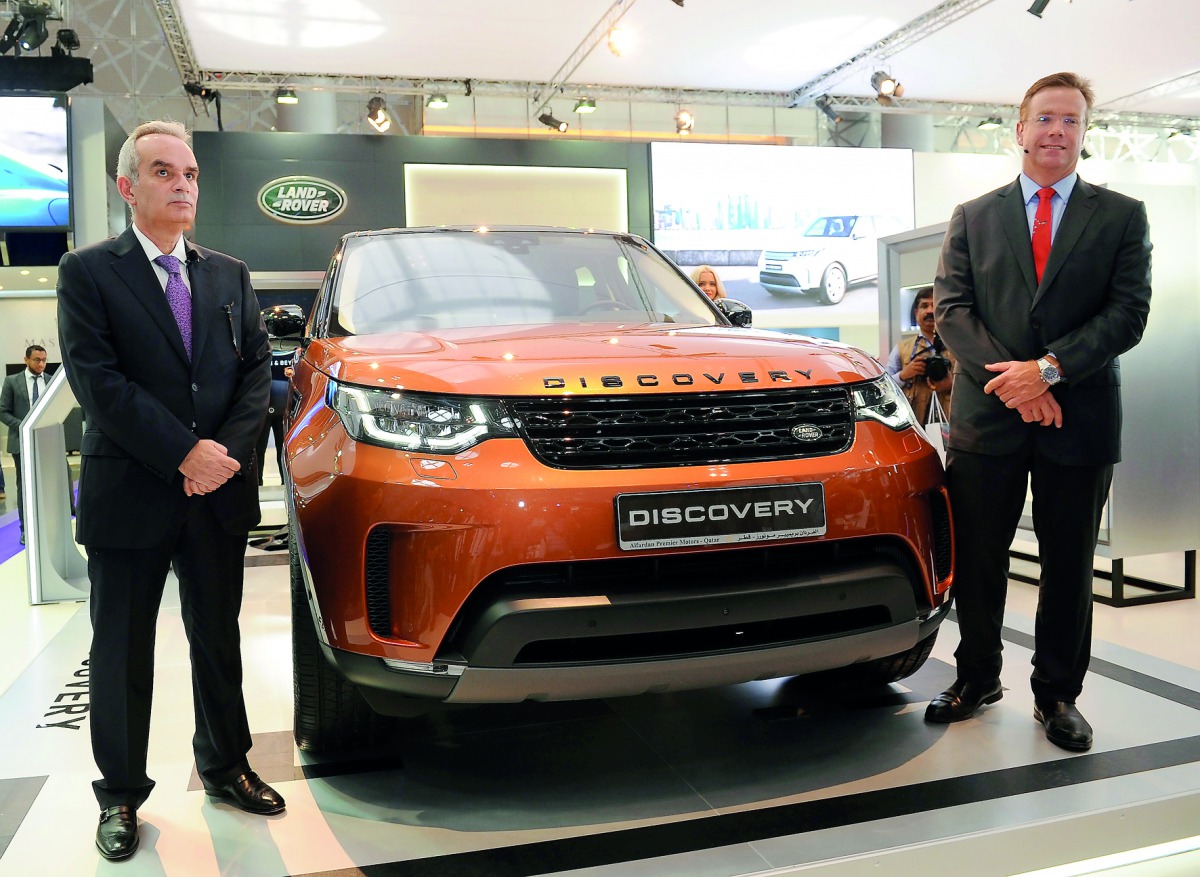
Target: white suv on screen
{"x":835,"y":252}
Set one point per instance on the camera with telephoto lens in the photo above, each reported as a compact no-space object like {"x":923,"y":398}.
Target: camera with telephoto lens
{"x":937,"y":366}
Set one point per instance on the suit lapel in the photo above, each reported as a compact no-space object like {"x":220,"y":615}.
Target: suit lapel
{"x":1080,"y":210}
{"x":21,"y":401}
{"x":205,"y":304}
{"x":1015,"y":222}
{"x":134,"y":269}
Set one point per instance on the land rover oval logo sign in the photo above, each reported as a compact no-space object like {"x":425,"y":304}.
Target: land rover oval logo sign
{"x":806,"y":432}
{"x":301,"y":200}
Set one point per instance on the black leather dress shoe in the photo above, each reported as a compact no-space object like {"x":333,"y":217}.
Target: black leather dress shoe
{"x":1064,"y":725}
{"x":117,"y":835}
{"x":249,"y":793}
{"x":961,"y":699}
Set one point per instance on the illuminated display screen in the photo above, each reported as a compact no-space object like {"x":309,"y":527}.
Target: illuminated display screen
{"x":33,"y":163}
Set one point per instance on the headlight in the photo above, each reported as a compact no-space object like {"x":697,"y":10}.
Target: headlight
{"x":417,"y":422}
{"x":882,"y":400}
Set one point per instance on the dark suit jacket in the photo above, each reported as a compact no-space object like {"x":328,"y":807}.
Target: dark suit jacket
{"x":14,"y":405}
{"x":146,"y":405}
{"x":1091,"y":306}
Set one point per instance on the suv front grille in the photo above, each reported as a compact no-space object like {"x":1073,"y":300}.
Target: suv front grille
{"x":610,"y":432}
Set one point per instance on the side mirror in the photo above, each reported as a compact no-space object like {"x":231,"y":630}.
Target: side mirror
{"x":738,"y":312}
{"x":284,"y":322}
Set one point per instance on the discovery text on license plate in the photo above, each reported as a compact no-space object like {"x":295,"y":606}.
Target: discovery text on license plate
{"x":718,"y":517}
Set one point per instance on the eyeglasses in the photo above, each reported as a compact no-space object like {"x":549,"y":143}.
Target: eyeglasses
{"x":1068,"y":122}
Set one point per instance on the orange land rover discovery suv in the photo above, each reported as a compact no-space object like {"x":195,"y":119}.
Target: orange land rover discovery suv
{"x":540,"y":464}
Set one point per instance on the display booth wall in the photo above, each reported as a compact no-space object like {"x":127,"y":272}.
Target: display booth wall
{"x":371,"y":172}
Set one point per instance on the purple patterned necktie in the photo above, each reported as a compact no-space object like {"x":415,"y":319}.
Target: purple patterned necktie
{"x":178,"y":298}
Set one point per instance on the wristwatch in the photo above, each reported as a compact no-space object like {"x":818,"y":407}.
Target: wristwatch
{"x":1049,"y":373}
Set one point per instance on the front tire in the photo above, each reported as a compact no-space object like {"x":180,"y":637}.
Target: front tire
{"x":329,"y":714}
{"x":833,"y":285}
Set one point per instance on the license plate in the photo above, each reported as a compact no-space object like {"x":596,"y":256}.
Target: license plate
{"x":720,"y":517}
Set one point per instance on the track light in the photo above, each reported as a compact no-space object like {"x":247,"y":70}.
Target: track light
{"x":585,"y":105}
{"x":208,"y":95}
{"x":549,"y":121}
{"x":9,"y":39}
{"x":885,"y":85}
{"x":1038,"y":7}
{"x":33,"y":33}
{"x":66,"y":41}
{"x":286,"y":96}
{"x":201,"y":91}
{"x":825,"y":105}
{"x":377,"y":114}
{"x":620,"y":41}
{"x":684,"y":122}
{"x":991,"y":123}
{"x":437,"y":102}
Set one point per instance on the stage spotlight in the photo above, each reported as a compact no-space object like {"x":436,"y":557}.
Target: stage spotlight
{"x":201,"y":91}
{"x":825,"y":105}
{"x":209,"y":96}
{"x":585,"y":105}
{"x":547,"y":119}
{"x":684,"y":122}
{"x":33,"y":33}
{"x":437,"y":102}
{"x":885,"y":85}
{"x":990,"y":124}
{"x":9,"y":39}
{"x":620,"y":41}
{"x":377,"y":114}
{"x":66,"y":41}
{"x":1038,"y":7}
{"x":286,"y":96}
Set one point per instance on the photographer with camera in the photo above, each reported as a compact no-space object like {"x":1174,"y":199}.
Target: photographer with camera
{"x":920,"y":361}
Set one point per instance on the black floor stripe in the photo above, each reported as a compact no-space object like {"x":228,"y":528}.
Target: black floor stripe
{"x":16,"y":797}
{"x":1141,"y":681}
{"x":710,"y":832}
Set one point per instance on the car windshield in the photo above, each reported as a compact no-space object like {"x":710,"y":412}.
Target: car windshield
{"x":455,"y":279}
{"x":831,"y":227}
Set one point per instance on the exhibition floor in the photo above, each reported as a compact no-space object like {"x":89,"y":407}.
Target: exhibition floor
{"x":759,"y":778}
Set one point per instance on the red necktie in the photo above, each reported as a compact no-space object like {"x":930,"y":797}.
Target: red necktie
{"x":1041,"y":231}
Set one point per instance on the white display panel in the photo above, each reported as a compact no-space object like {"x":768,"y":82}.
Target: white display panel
{"x":732,"y":206}
{"x":452,"y":194}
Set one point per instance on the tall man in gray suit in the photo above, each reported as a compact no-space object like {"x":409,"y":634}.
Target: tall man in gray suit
{"x":17,"y":396}
{"x":166,"y":352}
{"x":1040,"y":286}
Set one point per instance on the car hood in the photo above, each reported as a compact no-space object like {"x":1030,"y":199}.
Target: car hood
{"x":593,"y":360}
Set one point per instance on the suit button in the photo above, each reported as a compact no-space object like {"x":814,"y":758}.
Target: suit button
{"x":195,"y":389}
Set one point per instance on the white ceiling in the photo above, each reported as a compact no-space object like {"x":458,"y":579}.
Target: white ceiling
{"x":988,"y":56}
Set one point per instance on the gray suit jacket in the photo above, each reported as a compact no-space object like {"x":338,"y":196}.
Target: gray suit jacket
{"x":1090,"y":306}
{"x":14,"y":405}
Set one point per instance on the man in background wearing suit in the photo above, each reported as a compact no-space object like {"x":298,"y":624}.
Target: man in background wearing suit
{"x":1040,"y":286}
{"x":17,"y":396}
{"x":167,"y":353}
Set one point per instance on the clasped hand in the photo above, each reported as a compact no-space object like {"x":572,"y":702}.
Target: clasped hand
{"x":1019,"y":385}
{"x":206,"y":467}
